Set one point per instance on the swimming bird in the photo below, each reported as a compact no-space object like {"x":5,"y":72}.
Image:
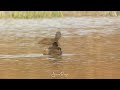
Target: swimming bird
{"x":49,"y":41}
{"x":53,"y":50}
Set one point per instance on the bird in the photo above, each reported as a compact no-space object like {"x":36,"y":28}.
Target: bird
{"x":53,"y":50}
{"x":49,"y":41}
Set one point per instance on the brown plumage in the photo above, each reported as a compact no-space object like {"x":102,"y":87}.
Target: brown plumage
{"x":54,"y":50}
{"x":50,"y":41}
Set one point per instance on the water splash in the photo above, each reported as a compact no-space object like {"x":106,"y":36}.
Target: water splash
{"x":29,"y":55}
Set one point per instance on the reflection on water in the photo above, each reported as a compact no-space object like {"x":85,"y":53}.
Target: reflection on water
{"x":91,"y":48}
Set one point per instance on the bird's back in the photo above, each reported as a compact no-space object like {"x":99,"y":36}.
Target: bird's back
{"x":55,"y":51}
{"x":47,"y":41}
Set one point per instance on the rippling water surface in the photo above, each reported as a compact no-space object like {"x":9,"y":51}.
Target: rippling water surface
{"x":90,"y":45}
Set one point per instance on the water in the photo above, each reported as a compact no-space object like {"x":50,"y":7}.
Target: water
{"x":90,"y":45}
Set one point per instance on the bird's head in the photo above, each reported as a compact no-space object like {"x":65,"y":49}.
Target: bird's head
{"x":58,"y":35}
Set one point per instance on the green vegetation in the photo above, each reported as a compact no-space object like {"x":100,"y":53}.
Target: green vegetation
{"x":50,"y":14}
{"x":30,"y":14}
{"x":92,"y":13}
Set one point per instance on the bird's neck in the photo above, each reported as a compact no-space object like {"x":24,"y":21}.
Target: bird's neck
{"x":56,"y":38}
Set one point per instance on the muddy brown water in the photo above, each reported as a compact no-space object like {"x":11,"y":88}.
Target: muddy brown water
{"x":90,"y":45}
